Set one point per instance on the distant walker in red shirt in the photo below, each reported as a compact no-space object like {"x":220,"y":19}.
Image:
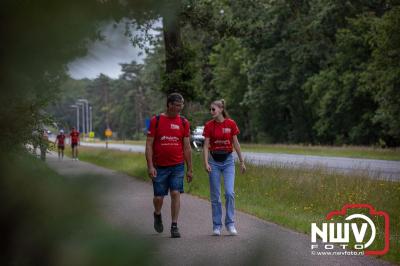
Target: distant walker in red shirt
{"x":60,"y":141}
{"x":220,"y":135}
{"x":74,"y":136}
{"x":167,"y":148}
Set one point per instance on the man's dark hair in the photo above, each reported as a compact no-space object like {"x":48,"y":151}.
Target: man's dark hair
{"x":174,"y":97}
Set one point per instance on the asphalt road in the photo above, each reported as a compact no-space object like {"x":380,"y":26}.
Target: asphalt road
{"x":127,"y":204}
{"x":379,"y":169}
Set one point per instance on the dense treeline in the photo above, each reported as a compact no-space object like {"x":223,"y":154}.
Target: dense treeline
{"x":304,"y":71}
{"x":119,"y":104}
{"x":318,"y":71}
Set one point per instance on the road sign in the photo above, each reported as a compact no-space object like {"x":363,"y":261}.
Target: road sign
{"x":108,"y":133}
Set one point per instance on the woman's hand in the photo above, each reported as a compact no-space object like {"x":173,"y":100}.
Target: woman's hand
{"x":242,"y":167}
{"x":208,"y":168}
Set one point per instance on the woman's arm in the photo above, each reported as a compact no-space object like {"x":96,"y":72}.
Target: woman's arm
{"x":236,"y":146}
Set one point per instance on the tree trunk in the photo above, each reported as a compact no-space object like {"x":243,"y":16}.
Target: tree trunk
{"x":173,"y":50}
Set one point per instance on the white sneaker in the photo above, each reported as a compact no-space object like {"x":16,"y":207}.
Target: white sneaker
{"x":216,"y":232}
{"x":232,"y":230}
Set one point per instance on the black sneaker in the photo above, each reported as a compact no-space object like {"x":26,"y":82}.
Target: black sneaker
{"x":175,"y":232}
{"x":158,"y":226}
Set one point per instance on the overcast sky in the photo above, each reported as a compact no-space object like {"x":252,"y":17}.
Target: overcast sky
{"x":105,"y":56}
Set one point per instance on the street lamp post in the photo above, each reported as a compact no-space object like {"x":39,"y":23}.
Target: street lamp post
{"x":86,"y":107}
{"x":83,"y":116}
{"x":90,"y":119}
{"x":77,"y":115}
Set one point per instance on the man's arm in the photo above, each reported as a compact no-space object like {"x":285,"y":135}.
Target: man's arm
{"x":187,"y":153}
{"x":149,"y":157}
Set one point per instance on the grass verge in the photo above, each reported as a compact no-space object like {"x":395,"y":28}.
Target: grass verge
{"x":294,"y":198}
{"x":346,"y":151}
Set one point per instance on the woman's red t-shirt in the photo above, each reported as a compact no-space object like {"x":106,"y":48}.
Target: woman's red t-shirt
{"x":221,"y":134}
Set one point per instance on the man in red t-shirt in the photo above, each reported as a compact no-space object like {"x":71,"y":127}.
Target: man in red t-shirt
{"x":167,"y":148}
{"x":74,"y":136}
{"x":60,"y":141}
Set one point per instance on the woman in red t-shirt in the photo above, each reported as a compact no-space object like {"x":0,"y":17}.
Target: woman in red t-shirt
{"x":220,"y":139}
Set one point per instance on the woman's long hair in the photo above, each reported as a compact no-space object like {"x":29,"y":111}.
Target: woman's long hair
{"x":221,"y":104}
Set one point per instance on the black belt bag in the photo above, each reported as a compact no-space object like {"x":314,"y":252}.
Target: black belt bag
{"x":220,"y":156}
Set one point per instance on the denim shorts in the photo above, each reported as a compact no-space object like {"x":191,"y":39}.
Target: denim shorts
{"x":168,"y":178}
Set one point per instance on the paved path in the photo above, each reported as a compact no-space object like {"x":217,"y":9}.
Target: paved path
{"x":128,"y":204}
{"x":380,"y":169}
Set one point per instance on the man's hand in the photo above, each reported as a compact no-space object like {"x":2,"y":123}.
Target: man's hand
{"x":152,"y":172}
{"x":189,"y":176}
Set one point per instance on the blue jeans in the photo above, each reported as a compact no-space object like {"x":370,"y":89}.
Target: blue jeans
{"x":227,"y":170}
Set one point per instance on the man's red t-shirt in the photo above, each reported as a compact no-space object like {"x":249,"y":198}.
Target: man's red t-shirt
{"x":60,"y":140}
{"x":168,"y":139}
{"x":74,"y":137}
{"x":221,"y":134}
